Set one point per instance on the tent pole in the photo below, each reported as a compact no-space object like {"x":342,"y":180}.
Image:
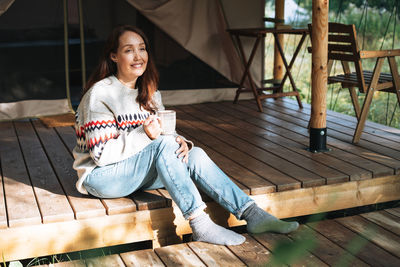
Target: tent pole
{"x":66,"y":54}
{"x":278,"y":62}
{"x":82,"y":37}
{"x":319,"y":75}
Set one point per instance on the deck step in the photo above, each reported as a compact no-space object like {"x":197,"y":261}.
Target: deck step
{"x":360,"y":240}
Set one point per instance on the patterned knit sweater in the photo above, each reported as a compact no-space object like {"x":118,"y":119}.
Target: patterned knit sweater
{"x":109,"y":126}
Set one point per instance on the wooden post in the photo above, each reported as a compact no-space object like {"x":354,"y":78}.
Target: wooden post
{"x":278,"y":62}
{"x":319,"y":75}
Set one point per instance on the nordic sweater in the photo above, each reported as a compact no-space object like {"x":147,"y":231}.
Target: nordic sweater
{"x":109,"y":126}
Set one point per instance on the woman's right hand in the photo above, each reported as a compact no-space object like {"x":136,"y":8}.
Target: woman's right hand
{"x":152,"y":126}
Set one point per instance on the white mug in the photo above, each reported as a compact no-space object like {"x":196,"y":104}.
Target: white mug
{"x":168,"y":121}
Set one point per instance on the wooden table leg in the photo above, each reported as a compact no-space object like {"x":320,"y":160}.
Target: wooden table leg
{"x":288,"y":67}
{"x":247,"y":73}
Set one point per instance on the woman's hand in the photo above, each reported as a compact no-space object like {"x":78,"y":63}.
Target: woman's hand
{"x":152,"y":126}
{"x":183,"y":151}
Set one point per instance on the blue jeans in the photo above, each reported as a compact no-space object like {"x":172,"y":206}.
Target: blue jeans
{"x":157,"y":166}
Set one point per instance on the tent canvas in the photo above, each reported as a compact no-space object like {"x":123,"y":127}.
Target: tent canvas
{"x":199,"y":26}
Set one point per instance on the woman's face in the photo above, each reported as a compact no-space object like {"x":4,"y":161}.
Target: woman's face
{"x":131,"y":57}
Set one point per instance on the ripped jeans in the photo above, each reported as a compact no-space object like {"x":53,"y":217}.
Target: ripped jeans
{"x":157,"y":166}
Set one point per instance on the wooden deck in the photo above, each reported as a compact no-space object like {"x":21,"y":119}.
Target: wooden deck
{"x":370,"y":239}
{"x":264,"y":153}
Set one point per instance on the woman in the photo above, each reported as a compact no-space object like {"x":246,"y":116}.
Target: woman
{"x":120,"y":150}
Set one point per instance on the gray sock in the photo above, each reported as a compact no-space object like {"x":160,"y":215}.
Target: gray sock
{"x":204,"y":229}
{"x":259,"y":221}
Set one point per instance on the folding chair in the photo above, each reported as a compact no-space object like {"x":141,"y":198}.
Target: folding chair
{"x":342,"y":46}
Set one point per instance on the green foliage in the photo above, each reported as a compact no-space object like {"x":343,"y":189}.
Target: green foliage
{"x":288,"y":252}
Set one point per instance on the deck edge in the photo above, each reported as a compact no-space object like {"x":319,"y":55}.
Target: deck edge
{"x":158,"y":224}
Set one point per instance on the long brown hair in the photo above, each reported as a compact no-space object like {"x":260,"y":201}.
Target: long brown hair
{"x":147,"y":83}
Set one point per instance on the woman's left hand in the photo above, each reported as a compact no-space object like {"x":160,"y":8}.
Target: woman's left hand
{"x":183,"y":151}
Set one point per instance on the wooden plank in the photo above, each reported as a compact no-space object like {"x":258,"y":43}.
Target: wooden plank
{"x":384,"y":219}
{"x":251,"y":252}
{"x":148,"y":200}
{"x":112,"y":206}
{"x":106,"y":261}
{"x":355,"y":244}
{"x":394,"y":211}
{"x":178,"y":255}
{"x":329,"y":197}
{"x":375,"y":129}
{"x":119,"y":205}
{"x":300,"y":135}
{"x":352,"y":124}
{"x":214,"y":255}
{"x":372,"y":232}
{"x":337,"y":141}
{"x":281,"y":180}
{"x":247,"y":180}
{"x":68,"y":136}
{"x":279,"y":149}
{"x":137,"y":201}
{"x":62,"y":160}
{"x":382,"y":146}
{"x":22,"y":208}
{"x":304,"y":257}
{"x":74,"y":263}
{"x":3,"y":214}
{"x":307,"y":178}
{"x":160,"y":223}
{"x":325,"y":249}
{"x":292,"y":104}
{"x":83,"y":234}
{"x":290,"y":140}
{"x":53,"y":203}
{"x":146,"y":257}
{"x":379,"y":53}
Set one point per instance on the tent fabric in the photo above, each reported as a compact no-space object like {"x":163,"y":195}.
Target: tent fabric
{"x":4,"y":5}
{"x":197,"y":25}
{"x":33,"y":108}
{"x":200,"y":27}
{"x":196,"y":96}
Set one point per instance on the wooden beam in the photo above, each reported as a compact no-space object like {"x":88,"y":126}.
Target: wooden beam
{"x":319,"y":74}
{"x":62,"y":237}
{"x":279,"y":70}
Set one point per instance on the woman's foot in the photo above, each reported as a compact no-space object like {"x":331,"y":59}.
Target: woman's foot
{"x":205,"y":230}
{"x":259,"y":221}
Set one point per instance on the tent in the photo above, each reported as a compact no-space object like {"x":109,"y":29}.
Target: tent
{"x":48,"y":48}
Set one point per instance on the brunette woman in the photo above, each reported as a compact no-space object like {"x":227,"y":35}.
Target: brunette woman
{"x":120,"y":150}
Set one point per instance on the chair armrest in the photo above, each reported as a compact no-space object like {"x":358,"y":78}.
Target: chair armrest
{"x":379,"y":53}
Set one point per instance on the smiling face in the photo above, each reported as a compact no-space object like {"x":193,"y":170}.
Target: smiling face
{"x":131,"y":58}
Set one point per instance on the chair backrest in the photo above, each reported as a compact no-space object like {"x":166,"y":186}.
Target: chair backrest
{"x":342,"y":46}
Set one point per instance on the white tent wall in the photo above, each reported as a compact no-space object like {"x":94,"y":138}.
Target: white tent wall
{"x":200,"y":27}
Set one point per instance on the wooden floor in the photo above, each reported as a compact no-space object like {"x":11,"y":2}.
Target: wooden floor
{"x":264,"y":153}
{"x":369,"y":239}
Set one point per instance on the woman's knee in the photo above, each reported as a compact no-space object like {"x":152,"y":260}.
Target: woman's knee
{"x":166,"y":144}
{"x":197,"y":156}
